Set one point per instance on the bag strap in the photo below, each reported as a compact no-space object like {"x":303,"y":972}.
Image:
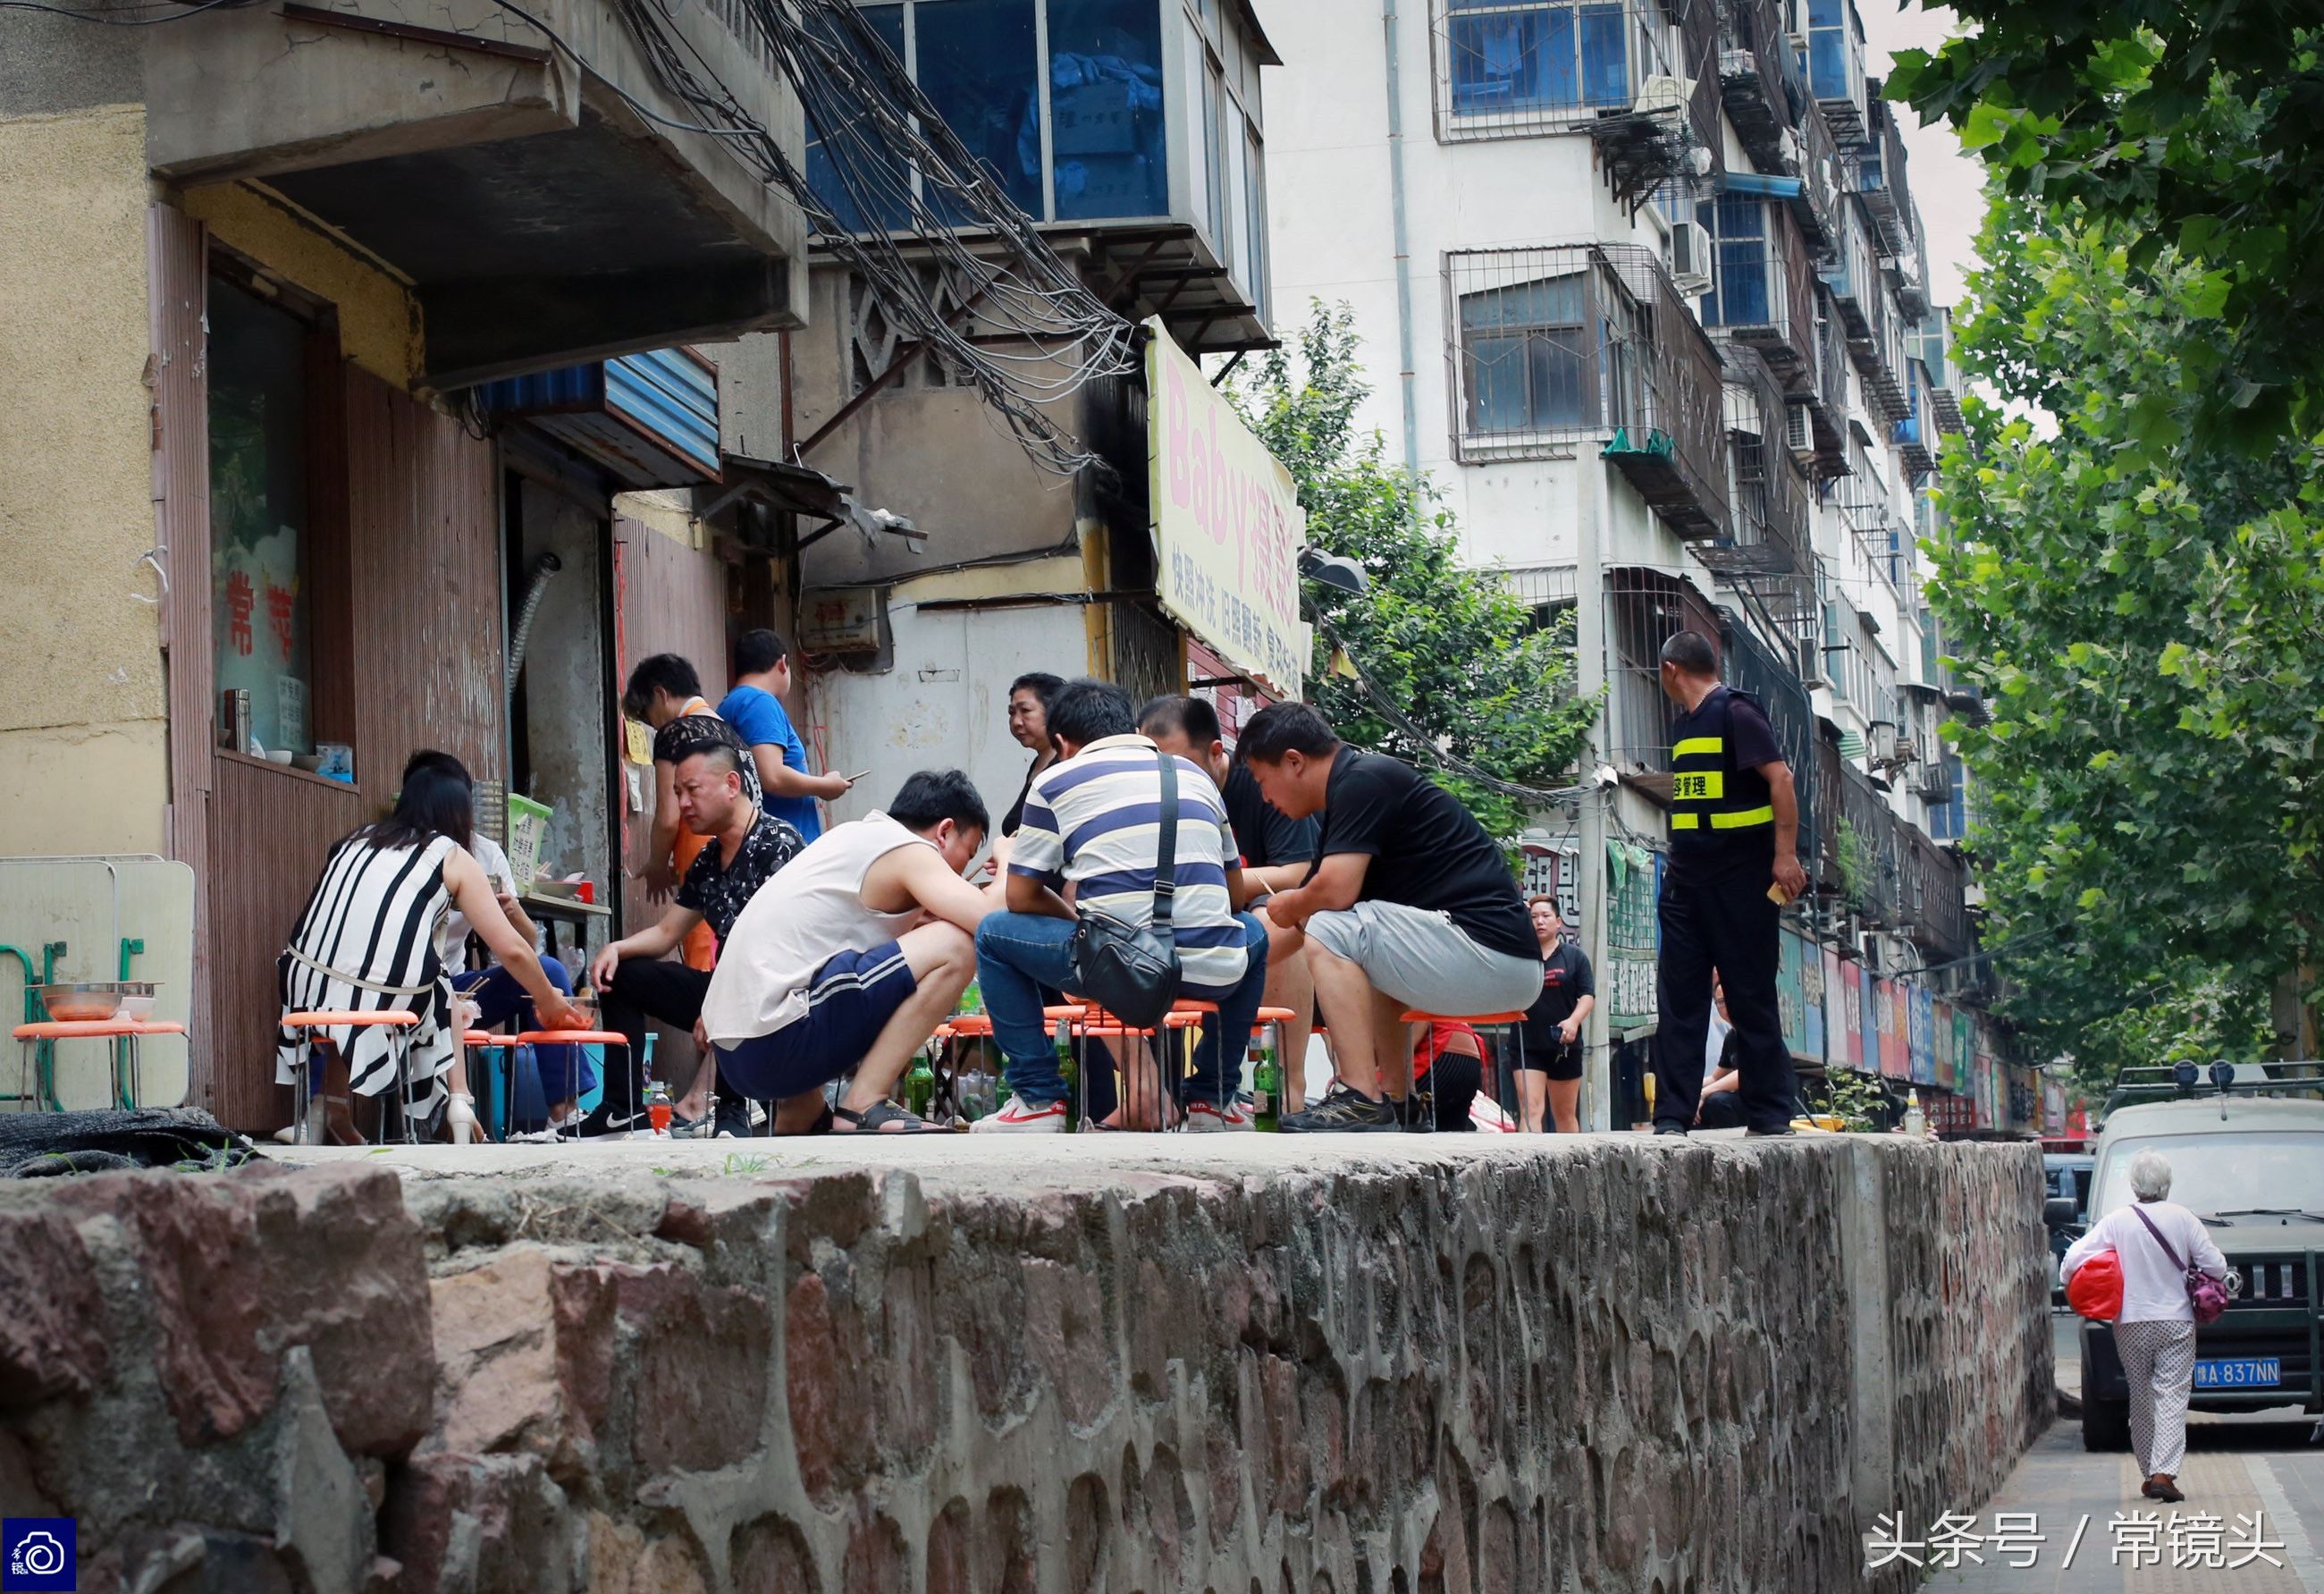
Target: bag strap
{"x":1166,"y":856}
{"x":2152,"y":1230}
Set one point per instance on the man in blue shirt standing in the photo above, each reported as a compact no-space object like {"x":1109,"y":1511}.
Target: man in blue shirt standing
{"x":762,"y":674}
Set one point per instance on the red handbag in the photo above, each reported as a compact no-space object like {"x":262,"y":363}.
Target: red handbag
{"x":2095,"y":1291}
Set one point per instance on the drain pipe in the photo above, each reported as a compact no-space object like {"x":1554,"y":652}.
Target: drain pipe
{"x":1403,"y":241}
{"x":536,"y":585}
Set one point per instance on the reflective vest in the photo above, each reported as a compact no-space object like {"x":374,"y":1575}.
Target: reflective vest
{"x":1711,"y":799}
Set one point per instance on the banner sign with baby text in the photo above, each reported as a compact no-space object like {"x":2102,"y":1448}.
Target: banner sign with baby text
{"x":1227,"y":524}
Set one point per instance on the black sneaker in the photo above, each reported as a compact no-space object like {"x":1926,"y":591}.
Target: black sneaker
{"x":1769,"y":1134}
{"x":732,"y":1119}
{"x":1671,"y":1128}
{"x":604,"y":1124}
{"x":1342,"y":1111}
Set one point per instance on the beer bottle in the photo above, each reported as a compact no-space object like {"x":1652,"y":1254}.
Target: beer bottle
{"x":1266,"y":1088}
{"x":1067,"y":1072}
{"x":919,"y":1086}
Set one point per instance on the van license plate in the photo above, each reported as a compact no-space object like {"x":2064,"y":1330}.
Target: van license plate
{"x":2247,"y":1372}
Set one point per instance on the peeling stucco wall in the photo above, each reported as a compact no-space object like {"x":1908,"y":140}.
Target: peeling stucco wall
{"x":81,"y":692}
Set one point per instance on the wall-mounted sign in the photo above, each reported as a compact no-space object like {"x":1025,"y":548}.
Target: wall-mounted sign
{"x":1227,"y":524}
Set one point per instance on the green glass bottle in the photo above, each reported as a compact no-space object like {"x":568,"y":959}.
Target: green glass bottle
{"x":1067,"y":1072}
{"x":1266,"y":1088}
{"x":921,"y":1085}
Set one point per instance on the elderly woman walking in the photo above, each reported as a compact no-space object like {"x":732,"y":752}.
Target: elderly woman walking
{"x":2155,"y":1334}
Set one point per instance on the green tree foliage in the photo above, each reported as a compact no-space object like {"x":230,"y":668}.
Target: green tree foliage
{"x":1451,"y":648}
{"x":2200,"y":128}
{"x":2144,"y":611}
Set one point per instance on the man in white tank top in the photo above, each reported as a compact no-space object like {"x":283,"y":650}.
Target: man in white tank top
{"x":851,"y":955}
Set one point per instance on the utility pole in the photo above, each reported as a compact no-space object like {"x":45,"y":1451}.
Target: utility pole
{"x":1589,"y":677}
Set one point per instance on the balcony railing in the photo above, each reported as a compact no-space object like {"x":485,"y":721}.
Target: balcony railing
{"x":1879,"y":171}
{"x":1836,"y":66}
{"x":1769,"y":495}
{"x":1589,"y":342}
{"x":1935,"y":896}
{"x":1513,"y":68}
{"x":1763,"y":283}
{"x":1916,"y":434}
{"x":1644,"y":610}
{"x":1760,"y":81}
{"x":1749,"y":666}
{"x":1875,"y":342}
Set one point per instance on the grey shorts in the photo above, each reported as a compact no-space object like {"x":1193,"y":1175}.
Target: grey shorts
{"x":1426,"y":962}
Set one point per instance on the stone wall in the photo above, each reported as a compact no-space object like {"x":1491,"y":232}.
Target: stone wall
{"x":1262,"y":1367}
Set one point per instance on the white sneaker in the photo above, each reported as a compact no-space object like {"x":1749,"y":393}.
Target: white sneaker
{"x":1021,"y":1118}
{"x":1211,"y":1117}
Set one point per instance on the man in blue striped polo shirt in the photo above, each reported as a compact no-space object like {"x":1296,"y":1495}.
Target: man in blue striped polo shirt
{"x":1093,"y":820}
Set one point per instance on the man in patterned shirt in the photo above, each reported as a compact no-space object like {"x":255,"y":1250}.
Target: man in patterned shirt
{"x":744,"y":847}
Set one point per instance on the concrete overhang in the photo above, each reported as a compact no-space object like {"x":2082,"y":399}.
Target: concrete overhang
{"x":542,"y":214}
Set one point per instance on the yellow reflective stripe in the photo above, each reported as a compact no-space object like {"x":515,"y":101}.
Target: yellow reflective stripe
{"x":1698,"y":786}
{"x":1748,"y":816}
{"x":1684,"y":821}
{"x":1711,"y":745}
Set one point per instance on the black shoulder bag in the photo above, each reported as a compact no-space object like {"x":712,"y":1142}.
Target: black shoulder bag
{"x":1131,"y":973}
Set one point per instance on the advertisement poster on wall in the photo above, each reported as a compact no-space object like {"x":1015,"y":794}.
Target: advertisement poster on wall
{"x":1790,"y":1000}
{"x":1913,"y":1027}
{"x":1946,"y":1067}
{"x":1874,"y":1019}
{"x":1839,"y":1040}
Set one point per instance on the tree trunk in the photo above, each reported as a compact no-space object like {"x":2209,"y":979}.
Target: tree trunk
{"x":2295,"y":1021}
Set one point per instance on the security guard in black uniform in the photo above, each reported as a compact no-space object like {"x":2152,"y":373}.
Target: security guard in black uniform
{"x":1734,"y":851}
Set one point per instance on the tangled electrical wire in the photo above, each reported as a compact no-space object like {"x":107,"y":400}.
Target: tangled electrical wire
{"x":897,"y":166}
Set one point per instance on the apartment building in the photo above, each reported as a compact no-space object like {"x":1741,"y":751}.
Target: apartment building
{"x":1642,"y":286}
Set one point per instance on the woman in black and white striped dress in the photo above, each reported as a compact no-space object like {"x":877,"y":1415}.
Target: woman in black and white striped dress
{"x":366,"y":943}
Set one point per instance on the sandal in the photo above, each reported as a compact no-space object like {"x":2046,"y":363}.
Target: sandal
{"x":874,"y":1121}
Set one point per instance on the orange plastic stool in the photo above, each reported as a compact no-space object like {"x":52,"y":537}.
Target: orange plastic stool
{"x":302,"y":1084}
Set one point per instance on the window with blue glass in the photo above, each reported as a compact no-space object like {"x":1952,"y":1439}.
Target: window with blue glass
{"x":1509,"y":56}
{"x":979,"y":63}
{"x":1105,"y":108}
{"x":1526,"y":357}
{"x":1831,"y":50}
{"x":867,"y":187}
{"x":1743,"y":290}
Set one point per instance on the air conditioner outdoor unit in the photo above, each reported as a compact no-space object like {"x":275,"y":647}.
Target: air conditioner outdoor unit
{"x":1662,"y":92}
{"x":1889,"y":747}
{"x":1690,"y":257}
{"x":1797,"y":431}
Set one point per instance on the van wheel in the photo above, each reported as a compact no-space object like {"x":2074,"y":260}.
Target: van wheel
{"x":2106,"y":1424}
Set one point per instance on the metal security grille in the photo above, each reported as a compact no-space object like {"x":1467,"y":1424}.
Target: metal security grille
{"x":1641,"y":77}
{"x":1553,"y":346}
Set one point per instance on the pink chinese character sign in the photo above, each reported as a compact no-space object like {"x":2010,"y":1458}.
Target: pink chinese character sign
{"x":1227,"y":524}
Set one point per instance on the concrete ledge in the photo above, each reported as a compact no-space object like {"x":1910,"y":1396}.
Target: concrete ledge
{"x":1215,"y":1363}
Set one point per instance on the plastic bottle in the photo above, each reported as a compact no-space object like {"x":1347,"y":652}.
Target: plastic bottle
{"x":1916,"y":1122}
{"x":1068,"y":1072}
{"x":1266,"y":1088}
{"x":658,"y":1108}
{"x":972,"y":1001}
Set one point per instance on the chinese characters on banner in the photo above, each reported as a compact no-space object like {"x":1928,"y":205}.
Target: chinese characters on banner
{"x":1227,"y":524}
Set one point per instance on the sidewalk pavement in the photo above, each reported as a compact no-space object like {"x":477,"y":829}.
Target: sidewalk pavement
{"x":2237,"y":1471}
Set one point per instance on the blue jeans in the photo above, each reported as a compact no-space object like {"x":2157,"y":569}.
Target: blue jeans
{"x":564,"y":1070}
{"x":1017,"y":953}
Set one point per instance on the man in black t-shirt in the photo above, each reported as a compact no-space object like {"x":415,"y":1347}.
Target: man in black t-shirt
{"x":1734,"y":863}
{"x":1553,"y":1025}
{"x":1275,"y":852}
{"x":1409,"y":905}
